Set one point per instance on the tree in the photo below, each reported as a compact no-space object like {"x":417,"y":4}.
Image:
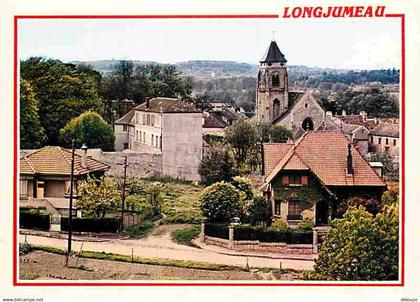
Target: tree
{"x":98,"y":197}
{"x":217,"y":165}
{"x":242,"y":137}
{"x":202,"y":101}
{"x":392,"y":195}
{"x":89,"y":128}
{"x":62,"y":90}
{"x":280,"y":134}
{"x":360,"y":247}
{"x":32,"y":134}
{"x":260,"y":211}
{"x":371,"y":205}
{"x":220,"y":202}
{"x":390,"y":170}
{"x":244,"y":186}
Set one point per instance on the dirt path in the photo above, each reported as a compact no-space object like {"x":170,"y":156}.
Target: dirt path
{"x":159,"y":245}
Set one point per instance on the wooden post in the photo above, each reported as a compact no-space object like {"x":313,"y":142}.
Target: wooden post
{"x":231,"y":236}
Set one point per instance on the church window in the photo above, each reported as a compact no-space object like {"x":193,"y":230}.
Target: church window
{"x":306,"y":105}
{"x":395,"y":142}
{"x":276,"y":108}
{"x":275,"y":80}
{"x":308,"y":124}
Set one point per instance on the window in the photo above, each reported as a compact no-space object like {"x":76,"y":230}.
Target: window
{"x":294,"y":211}
{"x":386,"y":141}
{"x":148,"y":119}
{"x":124,"y":128}
{"x":295,"y":180}
{"x":144,"y":137}
{"x":137,"y":135}
{"x":23,"y":192}
{"x":275,"y":80}
{"x":277,"y":207}
{"x":395,"y":142}
{"x":157,"y":141}
{"x":144,"y":118}
{"x":371,"y":139}
{"x":153,"y":139}
{"x":153,"y":120}
{"x":125,"y":145}
{"x":379,"y":140}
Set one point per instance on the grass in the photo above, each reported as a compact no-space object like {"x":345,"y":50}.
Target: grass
{"x":140,"y":230}
{"x":185,"y":236}
{"x":82,"y":267}
{"x":138,"y":260}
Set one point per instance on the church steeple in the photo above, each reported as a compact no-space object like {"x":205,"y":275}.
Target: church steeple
{"x":273,"y":54}
{"x":272,"y":85}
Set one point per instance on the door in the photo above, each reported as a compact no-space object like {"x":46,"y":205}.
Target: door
{"x":322,"y":212}
{"x":40,"y":189}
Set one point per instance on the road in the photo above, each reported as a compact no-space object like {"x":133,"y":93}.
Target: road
{"x":159,"y":245}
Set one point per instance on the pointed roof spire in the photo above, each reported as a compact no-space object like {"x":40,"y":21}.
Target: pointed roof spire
{"x":273,"y":54}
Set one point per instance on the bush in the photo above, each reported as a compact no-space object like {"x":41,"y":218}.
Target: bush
{"x":279,"y":225}
{"x":217,"y":165}
{"x":306,"y":225}
{"x":260,"y":211}
{"x":217,"y":230}
{"x":92,"y":225}
{"x":373,"y":206}
{"x":391,"y":196}
{"x":140,"y":230}
{"x":138,"y":203}
{"x":360,"y":246}
{"x":244,"y":186}
{"x":271,"y":235}
{"x":185,"y":236}
{"x":34,"y":219}
{"x":24,"y":248}
{"x":220,"y":202}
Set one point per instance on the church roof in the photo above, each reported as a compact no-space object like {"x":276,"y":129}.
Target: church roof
{"x":273,"y":54}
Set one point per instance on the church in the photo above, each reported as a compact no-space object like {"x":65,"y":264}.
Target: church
{"x":298,"y":111}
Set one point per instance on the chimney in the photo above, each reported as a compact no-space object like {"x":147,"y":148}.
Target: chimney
{"x":343,"y":113}
{"x":349,"y":161}
{"x":328,"y":114}
{"x":364,"y":115}
{"x":84,"y":156}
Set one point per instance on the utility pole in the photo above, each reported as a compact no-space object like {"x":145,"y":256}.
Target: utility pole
{"x":70,"y":203}
{"x":123,"y":192}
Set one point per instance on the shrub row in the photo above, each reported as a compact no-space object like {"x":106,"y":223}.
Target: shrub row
{"x":32,"y":219}
{"x":217,"y":230}
{"x":289,"y":236}
{"x":93,"y":225}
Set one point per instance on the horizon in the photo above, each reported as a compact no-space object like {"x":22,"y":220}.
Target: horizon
{"x":367,"y":44}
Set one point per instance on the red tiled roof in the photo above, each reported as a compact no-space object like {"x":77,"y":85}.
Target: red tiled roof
{"x":57,"y":161}
{"x":273,"y":153}
{"x":325,"y":154}
{"x":212,"y":121}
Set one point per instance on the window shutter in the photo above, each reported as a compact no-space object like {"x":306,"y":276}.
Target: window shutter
{"x":304,"y":180}
{"x":285,"y":180}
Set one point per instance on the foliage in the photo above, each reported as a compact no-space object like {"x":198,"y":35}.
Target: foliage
{"x":89,"y":128}
{"x":140,"y":204}
{"x":186,"y":235}
{"x":62,"y":90}
{"x":140,"y":82}
{"x":279,"y":134}
{"x":260,"y":211}
{"x":360,"y":247}
{"x":140,"y":230}
{"x":242,"y":137}
{"x":279,"y":225}
{"x":217,"y":165}
{"x":217,"y":230}
{"x":244,"y":187}
{"x":290,"y":236}
{"x":34,"y":219}
{"x":24,"y":248}
{"x":97,"y":197}
{"x":392,"y":195}
{"x":371,"y":205}
{"x":220,"y":202}
{"x":306,"y":195}
{"x":92,"y":225}
{"x":390,"y":171}
{"x":202,"y":101}
{"x":306,"y":225}
{"x":32,"y":134}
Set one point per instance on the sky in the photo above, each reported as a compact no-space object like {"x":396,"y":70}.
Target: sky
{"x":328,"y":43}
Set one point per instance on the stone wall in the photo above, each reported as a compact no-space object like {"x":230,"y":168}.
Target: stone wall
{"x":138,"y":164}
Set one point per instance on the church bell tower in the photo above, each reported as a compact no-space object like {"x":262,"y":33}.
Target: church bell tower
{"x":272,"y":85}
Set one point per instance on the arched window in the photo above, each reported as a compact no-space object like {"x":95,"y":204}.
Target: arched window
{"x":276,"y":108}
{"x":308,"y":124}
{"x":275,"y":80}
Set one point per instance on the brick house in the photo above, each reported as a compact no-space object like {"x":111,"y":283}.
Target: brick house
{"x":307,"y":179}
{"x":45,"y":176}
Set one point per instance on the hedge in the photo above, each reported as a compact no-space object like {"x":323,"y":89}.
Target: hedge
{"x":93,"y":225}
{"x":217,"y":230}
{"x":31,"y":219}
{"x":289,"y":236}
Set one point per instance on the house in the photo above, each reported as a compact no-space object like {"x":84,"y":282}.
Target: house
{"x":298,"y":111}
{"x":168,"y":127}
{"x":213,"y":123}
{"x":308,"y":178}
{"x":385,"y":137}
{"x":45,"y":176}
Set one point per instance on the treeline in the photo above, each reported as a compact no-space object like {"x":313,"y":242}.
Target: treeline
{"x":53,"y":93}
